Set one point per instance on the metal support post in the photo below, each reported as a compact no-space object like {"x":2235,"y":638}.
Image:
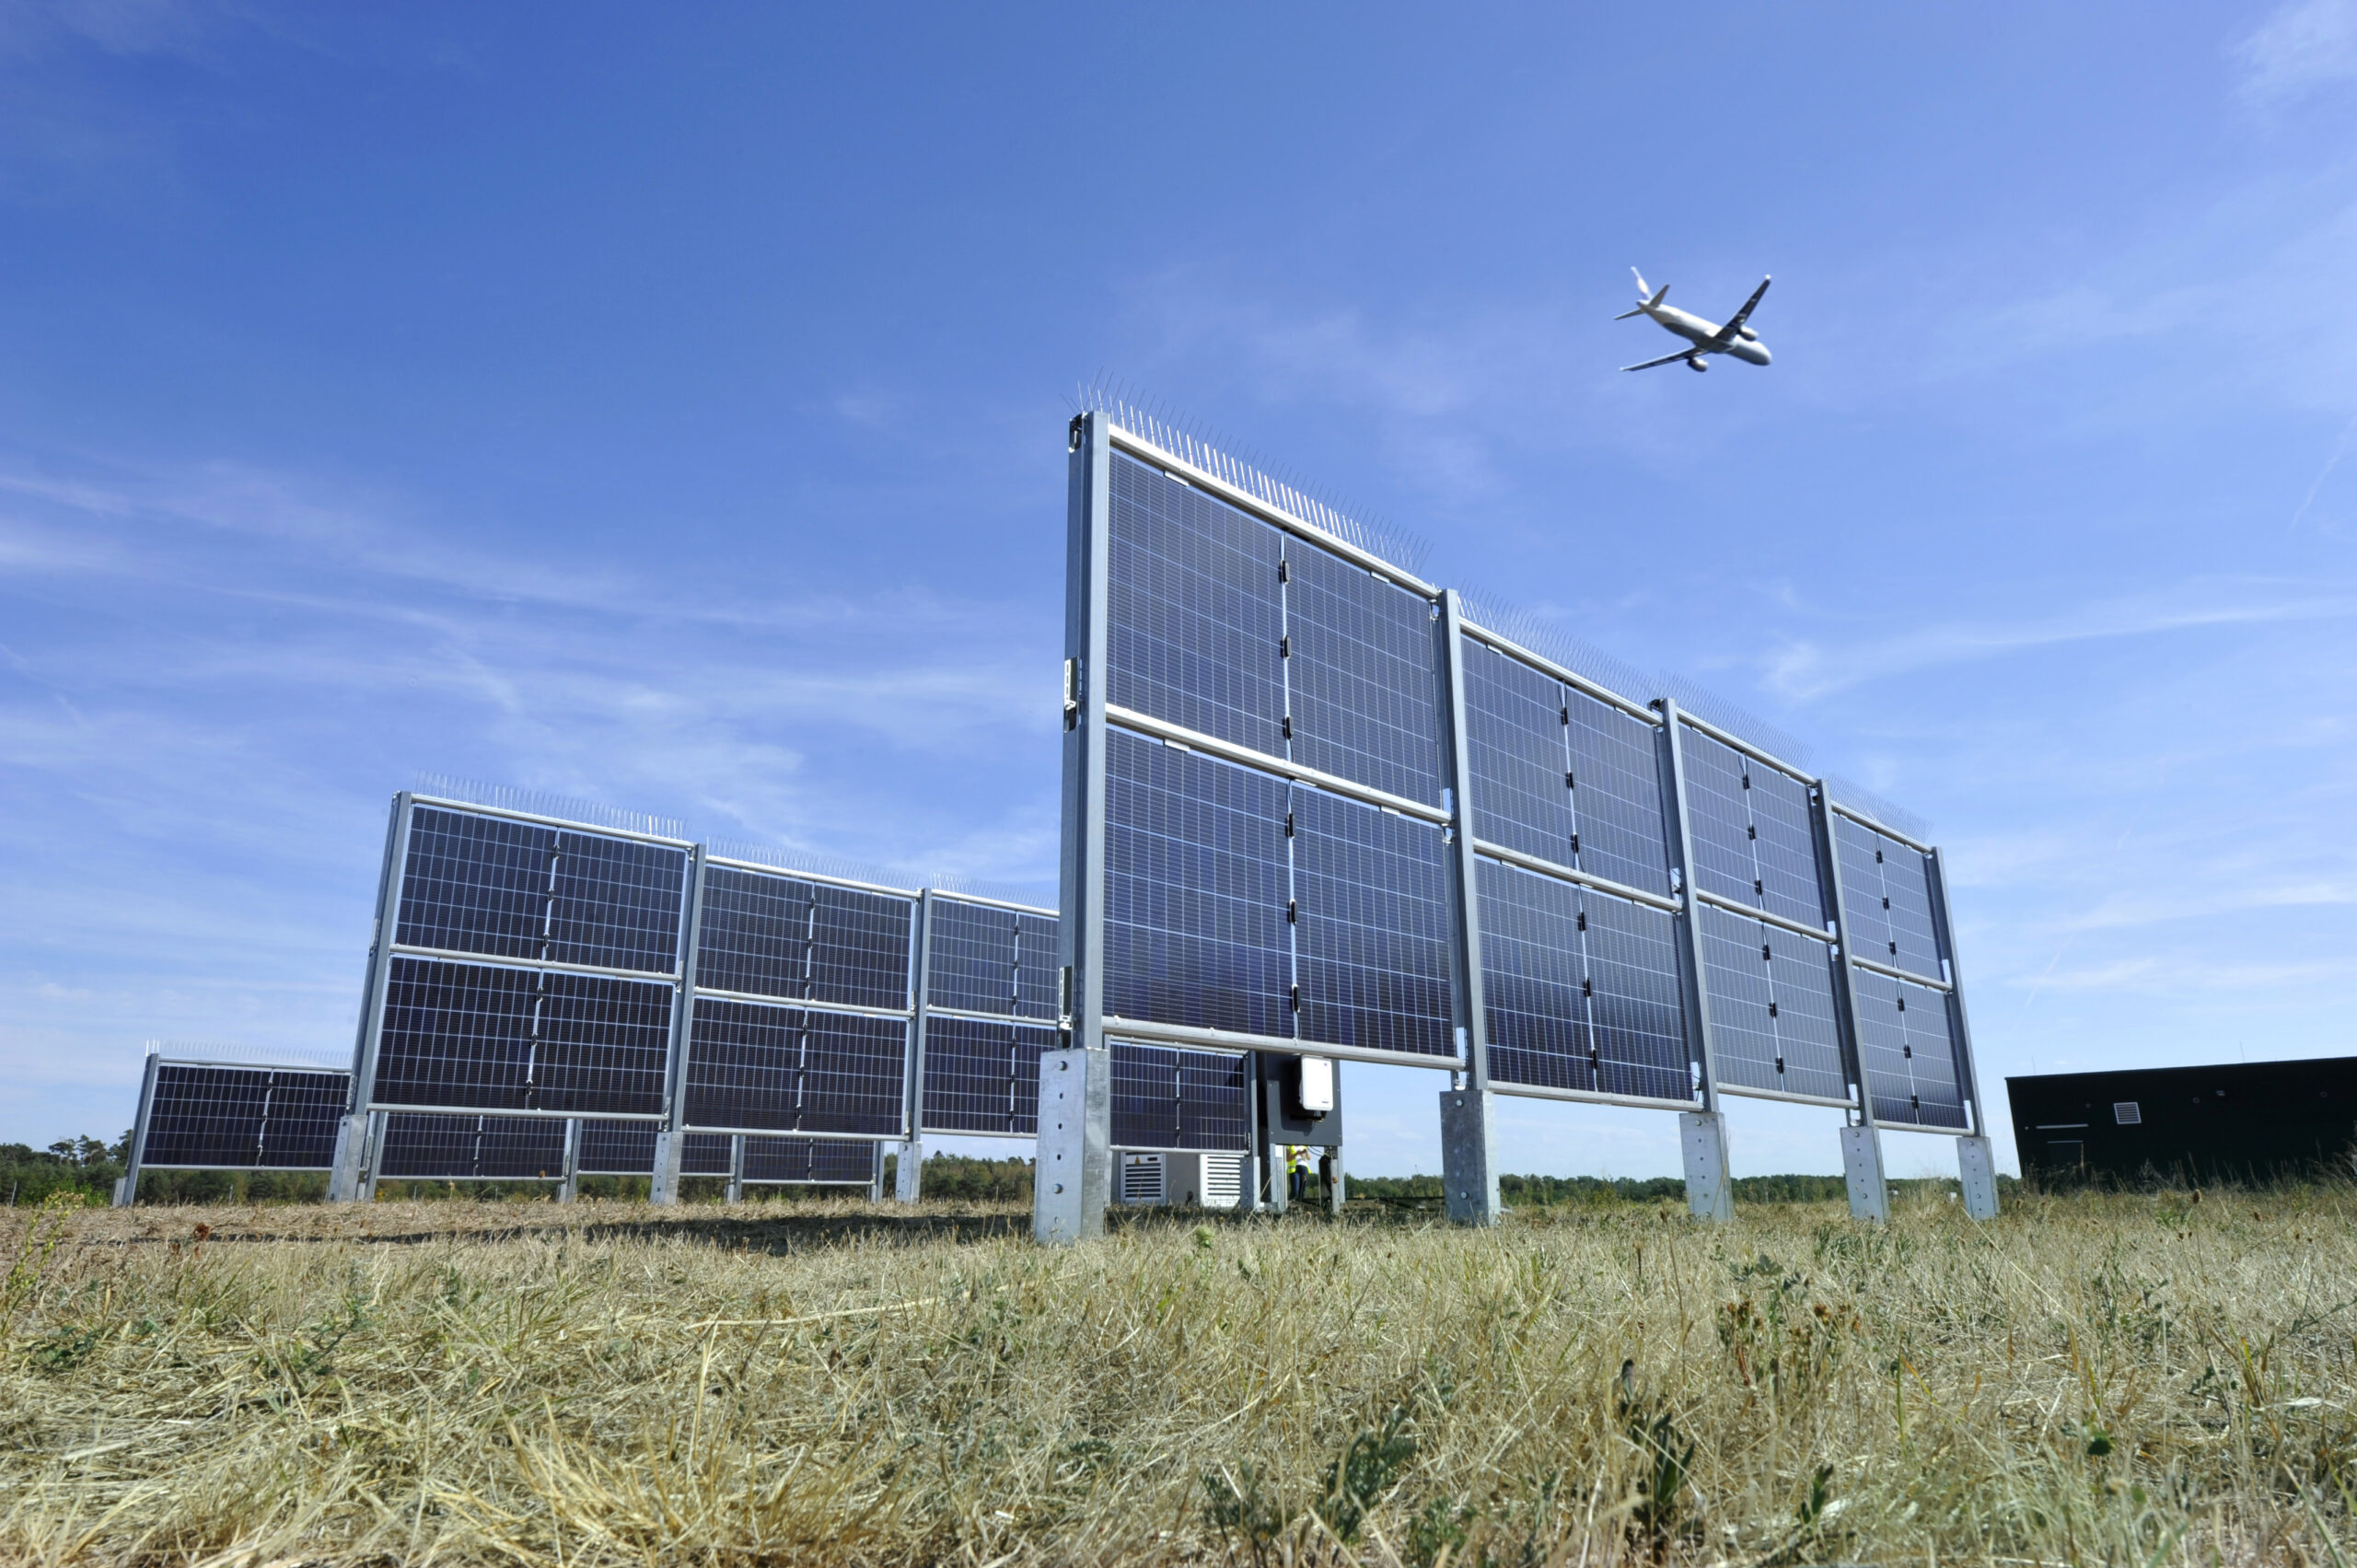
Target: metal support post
{"x":908,"y":1174}
{"x":126,"y":1189}
{"x":372,"y":1155}
{"x":1861,"y":1167}
{"x":347,"y":1171}
{"x":1280,"y":1186}
{"x":1330,"y":1176}
{"x":1976,"y":1164}
{"x":1703,"y":1135}
{"x":876,"y":1174}
{"x":1072,"y":1180}
{"x":1468,"y":1135}
{"x":736,"y":1193}
{"x":1252,"y":1169}
{"x":1069,"y":1198}
{"x":568,"y":1189}
{"x":671,"y":1144}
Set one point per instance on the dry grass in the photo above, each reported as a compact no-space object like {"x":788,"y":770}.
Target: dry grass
{"x":2117,"y":1380}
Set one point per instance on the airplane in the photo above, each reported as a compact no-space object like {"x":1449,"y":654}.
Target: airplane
{"x":1734,"y":337}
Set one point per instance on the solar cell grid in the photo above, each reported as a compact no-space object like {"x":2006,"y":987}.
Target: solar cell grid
{"x":618,"y":1149}
{"x":1519,"y":749}
{"x":615,"y":904}
{"x":704,"y":1154}
{"x":1363,"y":675}
{"x":1168,"y":1098}
{"x":788,"y":1069}
{"x":475,"y":884}
{"x":1195,"y":621}
{"x":1195,"y":929}
{"x":975,"y":952}
{"x":982,"y":1077}
{"x":1616,"y":797}
{"x":216,"y":1117}
{"x":754,"y":934}
{"x":1038,"y":977}
{"x":1773,"y":1021}
{"x":1371,"y":936}
{"x":1753,"y":841}
{"x":1532,"y":971}
{"x":859,"y":953}
{"x":1907,"y":1054}
{"x":1886,"y":887}
{"x":431,"y":1147}
{"x":484,"y":1037}
{"x":1637,"y":1010}
{"x":836,"y":1160}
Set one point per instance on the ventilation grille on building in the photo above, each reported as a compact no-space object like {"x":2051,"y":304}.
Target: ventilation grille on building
{"x":1223,"y":1181}
{"x":2128,"y":1113}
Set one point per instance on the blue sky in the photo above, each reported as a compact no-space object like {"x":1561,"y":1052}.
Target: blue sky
{"x":665,"y":408}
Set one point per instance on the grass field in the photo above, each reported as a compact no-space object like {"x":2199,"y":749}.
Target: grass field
{"x":2119,"y":1380}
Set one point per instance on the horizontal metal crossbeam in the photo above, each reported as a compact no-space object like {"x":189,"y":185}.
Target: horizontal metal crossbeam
{"x":1223,"y":1040}
{"x":500,"y":961}
{"x":1583,"y":879}
{"x":1881,"y":968}
{"x":1783,"y":923}
{"x":1244,"y":756}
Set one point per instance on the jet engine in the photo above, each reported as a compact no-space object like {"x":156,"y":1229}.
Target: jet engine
{"x":1697,"y":362}
{"x":1746,"y":334}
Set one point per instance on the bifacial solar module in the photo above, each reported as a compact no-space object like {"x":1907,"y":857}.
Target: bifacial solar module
{"x":755,"y":1067}
{"x":1753,"y":841}
{"x":243,"y":1118}
{"x":1561,"y":776}
{"x":1164,"y":1098}
{"x":763,"y":935}
{"x":618,"y":1149}
{"x":520,"y":1039}
{"x":1581,"y":988}
{"x":1906,"y":1051}
{"x":614,"y":903}
{"x":425,"y":1147}
{"x":1363,"y":675}
{"x":830,"y":1160}
{"x":704,"y":1154}
{"x":1773,"y":1021}
{"x":1038,"y":977}
{"x":1196,"y":619}
{"x":489,"y":885}
{"x":982,"y":1077}
{"x":1887,"y":888}
{"x":975,"y":957}
{"x":1371,"y":927}
{"x":1195,"y":928}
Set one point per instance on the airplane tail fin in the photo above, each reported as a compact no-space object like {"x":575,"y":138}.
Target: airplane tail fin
{"x":1642,"y":290}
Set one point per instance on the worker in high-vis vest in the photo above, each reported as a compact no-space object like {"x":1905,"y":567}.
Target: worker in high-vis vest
{"x":1297,"y":1171}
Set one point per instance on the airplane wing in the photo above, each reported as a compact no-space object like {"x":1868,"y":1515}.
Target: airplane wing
{"x":1665,"y":359}
{"x":1735,"y":322}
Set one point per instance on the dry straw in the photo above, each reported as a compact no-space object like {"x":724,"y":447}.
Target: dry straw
{"x":2122,"y":1380}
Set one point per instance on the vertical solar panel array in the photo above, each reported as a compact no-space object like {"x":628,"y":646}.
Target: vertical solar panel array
{"x":1272,"y":762}
{"x":532,"y":969}
{"x":1174,"y":1099}
{"x":802,"y":1004}
{"x":992,"y":1004}
{"x":223,"y":1116}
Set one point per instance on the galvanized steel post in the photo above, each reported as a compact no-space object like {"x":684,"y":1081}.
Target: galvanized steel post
{"x":1975,"y":1162}
{"x":1467,"y":1129}
{"x":1703,"y":1135}
{"x":1862,"y":1165}
{"x":1075,"y":1084}
{"x":345,"y":1173}
{"x":663,"y":1185}
{"x":908,"y":1174}
{"x":126,"y":1189}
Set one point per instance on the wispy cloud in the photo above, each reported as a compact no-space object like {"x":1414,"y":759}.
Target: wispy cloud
{"x":2299,"y":47}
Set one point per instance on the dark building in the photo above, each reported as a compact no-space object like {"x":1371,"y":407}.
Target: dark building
{"x":2250,"y":1122}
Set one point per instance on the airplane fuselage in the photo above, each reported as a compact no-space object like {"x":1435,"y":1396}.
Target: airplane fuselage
{"x":1699,"y":332}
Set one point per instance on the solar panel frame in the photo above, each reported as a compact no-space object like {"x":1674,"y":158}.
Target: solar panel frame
{"x":201,"y":1114}
{"x":440,"y":1146}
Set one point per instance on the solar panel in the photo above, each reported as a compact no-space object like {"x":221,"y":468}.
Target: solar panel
{"x":1581,"y":988}
{"x":1166,"y":1097}
{"x":1039,"y":973}
{"x":756,"y":1067}
{"x":618,"y":1149}
{"x":1752,"y":829}
{"x":1195,"y":929}
{"x":230,"y":1117}
{"x":476,"y":883}
{"x":424,"y":1146}
{"x":1886,"y":887}
{"x":1560,"y":775}
{"x":1907,"y":1054}
{"x":484,"y":1037}
{"x":766,"y":935}
{"x":835,"y":1161}
{"x":1196,"y":622}
{"x":1773,"y":1021}
{"x":1361,"y":675}
{"x":982,"y":1077}
{"x":1371,"y":927}
{"x":704,"y":1154}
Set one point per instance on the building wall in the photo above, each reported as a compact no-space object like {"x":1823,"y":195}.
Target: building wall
{"x":2234,"y":1122}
